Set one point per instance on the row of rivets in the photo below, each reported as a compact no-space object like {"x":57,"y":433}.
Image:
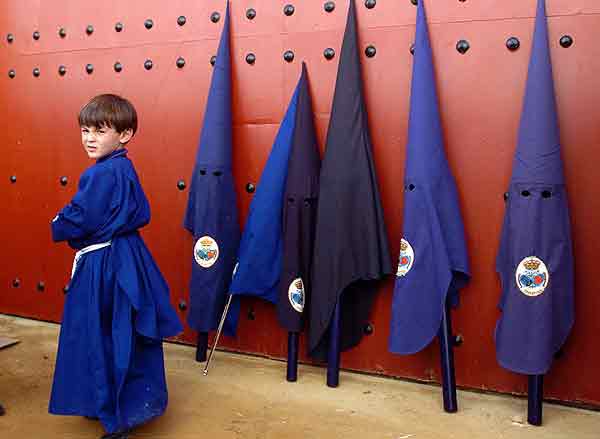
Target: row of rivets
{"x":41,"y":285}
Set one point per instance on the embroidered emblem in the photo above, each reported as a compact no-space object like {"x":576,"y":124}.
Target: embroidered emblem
{"x":532,"y":276}
{"x":296,"y":294}
{"x":407,"y":257}
{"x":206,"y":252}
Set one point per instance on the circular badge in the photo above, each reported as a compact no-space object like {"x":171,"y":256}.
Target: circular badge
{"x":407,"y":257}
{"x":296,"y":294}
{"x":206,"y":251}
{"x":532,"y":276}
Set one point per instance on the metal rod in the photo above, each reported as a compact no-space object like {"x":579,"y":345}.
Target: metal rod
{"x":447,"y":360}
{"x":535,"y":395}
{"x":212,"y":350}
{"x":292,"y":360}
{"x":333,"y":355}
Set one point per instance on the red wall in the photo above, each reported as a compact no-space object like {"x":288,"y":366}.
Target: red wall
{"x":480,"y":92}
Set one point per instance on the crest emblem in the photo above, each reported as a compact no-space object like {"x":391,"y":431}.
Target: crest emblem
{"x":296,"y":294}
{"x":206,"y":252}
{"x":406,"y":259}
{"x":532,"y":276}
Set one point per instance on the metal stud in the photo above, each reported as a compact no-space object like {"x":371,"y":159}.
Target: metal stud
{"x":181,"y":185}
{"x":149,"y":23}
{"x":414,"y":2}
{"x":13,"y":178}
{"x":525,"y":193}
{"x":251,"y":14}
{"x":89,"y":29}
{"x":65,"y":289}
{"x":41,"y":286}
{"x":546,"y":194}
{"x":118,"y":67}
{"x":12,"y":73}
{"x":148,"y":64}
{"x":368,"y":329}
{"x":251,"y":314}
{"x":16,"y":283}
{"x":505,"y":196}
{"x":329,"y":53}
{"x":62,"y":32}
{"x":215,"y":17}
{"x":566,"y":41}
{"x":62,"y":70}
{"x":180,"y":62}
{"x":412,"y":49}
{"x":513,"y":44}
{"x":458,"y":340}
{"x":10,"y":38}
{"x":36,"y":72}
{"x":64,"y":180}
{"x":288,"y":56}
{"x":213,"y":60}
{"x":329,"y":6}
{"x":462,"y":46}
{"x":370,"y":4}
{"x":182,"y":305}
{"x":289,"y":10}
{"x":411,"y":187}
{"x":250,"y":188}
{"x":89,"y":68}
{"x":119,"y":27}
{"x":36,"y":35}
{"x":181,"y":20}
{"x":251,"y":58}
{"x":370,"y":51}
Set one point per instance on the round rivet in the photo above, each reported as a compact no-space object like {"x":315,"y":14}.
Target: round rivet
{"x":148,"y":64}
{"x":182,"y":305}
{"x":411,"y":187}
{"x":559,"y":354}
{"x":36,"y":35}
{"x":251,"y":58}
{"x":89,"y":29}
{"x":217,"y":173}
{"x":64,"y":180}
{"x":180,"y":62}
{"x":329,"y":53}
{"x":458,"y":340}
{"x":288,"y":10}
{"x":202,"y":171}
{"x":546,"y":194}
{"x":368,"y":329}
{"x":13,"y":178}
{"x":329,"y":6}
{"x":251,"y":14}
{"x":41,"y":286}
{"x":370,"y":51}
{"x":148,"y":23}
{"x":251,"y":314}
{"x":10,"y":38}
{"x":16,"y":283}
{"x":119,"y":27}
{"x":181,"y":185}
{"x":566,"y":41}
{"x":513,"y":44}
{"x":213,"y":60}
{"x":118,"y":67}
{"x":62,"y":32}
{"x":505,"y":196}
{"x":89,"y":68}
{"x":12,"y":73}
{"x":62,"y":70}
{"x":36,"y":72}
{"x":525,"y":193}
{"x":65,"y":289}
{"x":288,"y":56}
{"x":250,"y":188}
{"x":414,"y":2}
{"x":412,"y":49}
{"x":215,"y":17}
{"x":181,"y":20}
{"x":370,"y":4}
{"x":462,"y":46}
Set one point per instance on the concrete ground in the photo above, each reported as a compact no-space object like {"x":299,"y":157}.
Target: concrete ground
{"x":248,"y":398}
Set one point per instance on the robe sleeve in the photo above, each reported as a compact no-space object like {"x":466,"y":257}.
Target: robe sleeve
{"x":90,"y":208}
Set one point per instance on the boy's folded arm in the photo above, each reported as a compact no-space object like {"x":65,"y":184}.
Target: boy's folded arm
{"x":89,"y":209}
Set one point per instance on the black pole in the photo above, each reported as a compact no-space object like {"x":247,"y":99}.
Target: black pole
{"x":535,"y":395}
{"x":292,"y":361}
{"x":447,"y":360}
{"x":333,"y":355}
{"x":201,"y":347}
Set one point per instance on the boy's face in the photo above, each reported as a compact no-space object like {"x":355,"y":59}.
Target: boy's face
{"x":100,"y":142}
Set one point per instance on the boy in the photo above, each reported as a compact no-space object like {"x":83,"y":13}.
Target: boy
{"x":109,"y":364}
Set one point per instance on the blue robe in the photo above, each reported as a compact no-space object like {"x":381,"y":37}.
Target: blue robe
{"x":110,"y":359}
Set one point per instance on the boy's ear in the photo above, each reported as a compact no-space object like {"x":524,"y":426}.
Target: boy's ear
{"x":126,"y":135}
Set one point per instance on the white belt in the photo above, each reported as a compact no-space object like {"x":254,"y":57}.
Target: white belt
{"x":83,"y":251}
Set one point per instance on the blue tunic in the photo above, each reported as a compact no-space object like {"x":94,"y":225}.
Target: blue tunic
{"x":110,"y":360}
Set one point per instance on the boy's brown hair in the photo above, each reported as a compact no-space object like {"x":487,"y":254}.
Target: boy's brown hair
{"x":109,"y":110}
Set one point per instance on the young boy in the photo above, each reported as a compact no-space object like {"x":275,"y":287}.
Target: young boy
{"x":109,"y":364}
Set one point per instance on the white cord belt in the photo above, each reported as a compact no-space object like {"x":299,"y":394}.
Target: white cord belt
{"x":83,"y":251}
